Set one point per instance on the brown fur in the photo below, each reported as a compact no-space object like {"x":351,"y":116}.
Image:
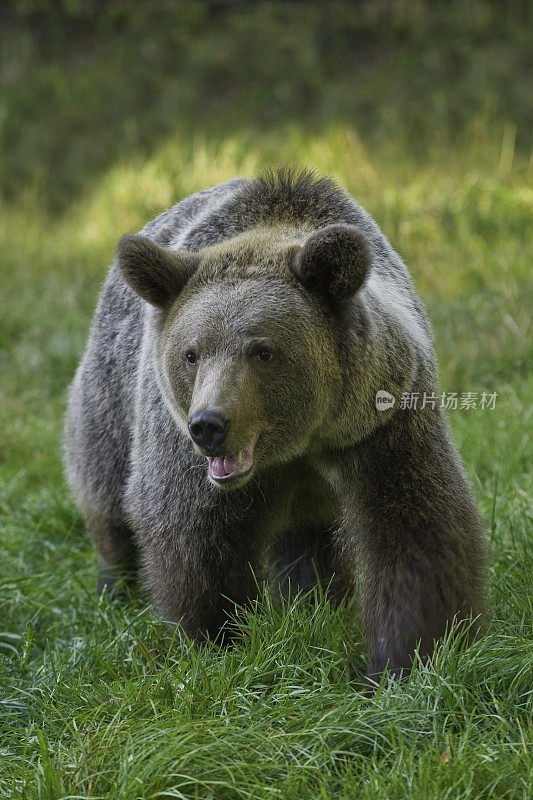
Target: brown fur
{"x":294,"y":268}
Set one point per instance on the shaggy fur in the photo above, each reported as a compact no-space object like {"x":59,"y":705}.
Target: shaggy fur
{"x":278,"y":304}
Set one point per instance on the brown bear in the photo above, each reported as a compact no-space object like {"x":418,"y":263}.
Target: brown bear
{"x":227,"y":418}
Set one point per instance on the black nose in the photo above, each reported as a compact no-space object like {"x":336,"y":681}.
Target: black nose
{"x":208,"y":429}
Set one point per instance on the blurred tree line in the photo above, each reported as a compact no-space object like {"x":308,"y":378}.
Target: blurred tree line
{"x":86,"y":82}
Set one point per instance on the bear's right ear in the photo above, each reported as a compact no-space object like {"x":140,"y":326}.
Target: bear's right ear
{"x":156,"y":273}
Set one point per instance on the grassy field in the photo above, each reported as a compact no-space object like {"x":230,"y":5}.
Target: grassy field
{"x":423,"y":112}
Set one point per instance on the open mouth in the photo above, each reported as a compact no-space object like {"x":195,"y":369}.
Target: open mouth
{"x":226,"y":468}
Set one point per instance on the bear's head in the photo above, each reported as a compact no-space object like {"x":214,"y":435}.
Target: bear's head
{"x":249,"y":339}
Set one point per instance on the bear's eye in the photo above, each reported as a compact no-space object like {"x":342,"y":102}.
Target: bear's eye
{"x":190,"y":357}
{"x":264,"y":355}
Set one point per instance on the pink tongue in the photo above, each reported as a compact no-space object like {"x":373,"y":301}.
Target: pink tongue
{"x":224,"y":467}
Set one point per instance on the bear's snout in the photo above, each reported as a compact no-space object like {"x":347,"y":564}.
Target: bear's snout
{"x":208,"y":429}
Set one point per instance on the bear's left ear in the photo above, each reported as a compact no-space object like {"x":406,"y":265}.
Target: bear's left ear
{"x":333,"y":263}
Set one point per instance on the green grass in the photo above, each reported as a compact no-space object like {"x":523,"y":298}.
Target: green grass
{"x":423,"y":112}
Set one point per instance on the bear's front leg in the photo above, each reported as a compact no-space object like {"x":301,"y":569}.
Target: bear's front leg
{"x":196,"y":578}
{"x":410,"y":523}
{"x":199,"y":549}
